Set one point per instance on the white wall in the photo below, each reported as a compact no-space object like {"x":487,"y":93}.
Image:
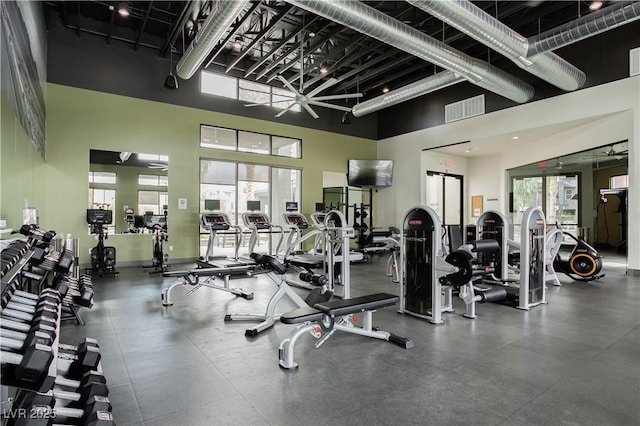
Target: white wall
{"x":614,"y":107}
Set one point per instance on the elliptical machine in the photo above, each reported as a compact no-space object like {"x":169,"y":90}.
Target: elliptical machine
{"x":584,"y":262}
{"x":103,"y":259}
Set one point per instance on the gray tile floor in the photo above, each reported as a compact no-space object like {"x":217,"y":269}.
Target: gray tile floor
{"x":573,"y":361}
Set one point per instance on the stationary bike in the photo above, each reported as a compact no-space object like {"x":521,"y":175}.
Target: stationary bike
{"x":584,"y":263}
{"x":159,"y":259}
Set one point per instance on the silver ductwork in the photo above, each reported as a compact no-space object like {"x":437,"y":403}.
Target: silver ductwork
{"x":376,"y":24}
{"x":619,"y":13}
{"x":209,"y":35}
{"x":421,"y":87}
{"x":476,"y":23}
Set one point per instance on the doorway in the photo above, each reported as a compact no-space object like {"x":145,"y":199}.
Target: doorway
{"x":444,"y":195}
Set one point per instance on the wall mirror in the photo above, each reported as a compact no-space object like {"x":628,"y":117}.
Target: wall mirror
{"x":133,"y":185}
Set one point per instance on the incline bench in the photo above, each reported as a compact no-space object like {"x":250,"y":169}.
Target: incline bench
{"x":336,"y":315}
{"x":193,"y":277}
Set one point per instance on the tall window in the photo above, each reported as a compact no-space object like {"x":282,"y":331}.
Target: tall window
{"x":234,"y":184}
{"x":103,"y":199}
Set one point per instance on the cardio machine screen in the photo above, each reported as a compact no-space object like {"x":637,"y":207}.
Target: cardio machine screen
{"x":297,"y":220}
{"x":215,"y":221}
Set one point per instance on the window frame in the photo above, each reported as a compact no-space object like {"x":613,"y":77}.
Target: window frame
{"x":237,"y":142}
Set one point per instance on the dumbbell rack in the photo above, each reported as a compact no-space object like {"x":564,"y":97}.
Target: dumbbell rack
{"x":33,"y":361}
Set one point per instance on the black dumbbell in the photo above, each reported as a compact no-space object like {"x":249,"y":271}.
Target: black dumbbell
{"x":91,"y":376}
{"x":83,"y":357}
{"x":45,"y":325}
{"x":41,"y":311}
{"x":49,"y":291}
{"x":315,"y":279}
{"x":32,"y":366}
{"x":43,"y":409}
{"x":31,"y":339}
{"x":46,"y":296}
{"x":32,"y":309}
{"x":18,"y":335}
{"x":32,"y":231}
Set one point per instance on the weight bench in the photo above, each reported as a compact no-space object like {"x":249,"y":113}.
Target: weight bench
{"x":192,"y":277}
{"x":335,"y":315}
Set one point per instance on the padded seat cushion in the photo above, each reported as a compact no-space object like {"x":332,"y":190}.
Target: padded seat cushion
{"x":369,"y":302}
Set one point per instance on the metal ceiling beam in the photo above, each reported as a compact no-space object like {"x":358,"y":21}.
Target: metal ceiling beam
{"x":288,"y":52}
{"x":274,"y":21}
{"x":218,"y":49}
{"x":405,"y":71}
{"x":369,"y":74}
{"x":283,"y":42}
{"x":177,"y":28}
{"x":144,"y":23}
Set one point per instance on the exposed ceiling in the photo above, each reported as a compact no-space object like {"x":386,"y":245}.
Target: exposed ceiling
{"x":266,"y":41}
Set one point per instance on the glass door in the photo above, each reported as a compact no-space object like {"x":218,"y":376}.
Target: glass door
{"x":444,"y":196}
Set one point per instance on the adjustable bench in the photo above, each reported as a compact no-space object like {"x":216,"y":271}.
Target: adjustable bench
{"x":336,"y":315}
{"x":192,"y":277}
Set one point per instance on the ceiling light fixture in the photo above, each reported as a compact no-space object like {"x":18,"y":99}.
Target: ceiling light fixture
{"x":123,"y":10}
{"x":346,"y":119}
{"x":595,"y":5}
{"x":171,"y":82}
{"x":385,"y":89}
{"x":237,"y":44}
{"x":323,"y":69}
{"x":515,"y":138}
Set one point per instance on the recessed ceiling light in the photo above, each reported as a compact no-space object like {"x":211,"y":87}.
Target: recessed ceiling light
{"x":515,"y":138}
{"x":468,"y":150}
{"x":595,"y":5}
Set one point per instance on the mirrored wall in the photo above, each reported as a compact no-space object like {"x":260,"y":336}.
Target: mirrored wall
{"x":134,"y":186}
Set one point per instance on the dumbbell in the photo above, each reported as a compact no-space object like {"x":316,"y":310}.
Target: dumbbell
{"x":21,"y":344}
{"x":39,"y":312}
{"x":46,"y":299}
{"x":18,"y":305}
{"x":48,"y":291}
{"x":32,"y":366}
{"x":18,"y":335}
{"x":8,"y":325}
{"x":91,"y":376}
{"x":31,"y":231}
{"x":44,"y":409}
{"x":315,"y":279}
{"x":86,"y":357}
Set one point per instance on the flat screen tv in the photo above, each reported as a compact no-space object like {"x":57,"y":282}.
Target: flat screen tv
{"x":291,"y":206}
{"x":370,"y":172}
{"x":212,"y":205}
{"x":253,"y":206}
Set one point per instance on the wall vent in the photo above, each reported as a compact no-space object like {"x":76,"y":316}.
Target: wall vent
{"x":464,"y":109}
{"x":634,"y":61}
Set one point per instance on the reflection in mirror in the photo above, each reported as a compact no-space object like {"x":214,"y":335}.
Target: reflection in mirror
{"x":134,"y":186}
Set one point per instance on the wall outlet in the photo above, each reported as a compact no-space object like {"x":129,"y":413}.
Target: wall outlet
{"x":170,"y":248}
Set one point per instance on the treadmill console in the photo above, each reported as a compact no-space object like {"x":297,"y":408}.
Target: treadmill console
{"x":257,"y":220}
{"x":295,"y":219}
{"x":215,"y":221}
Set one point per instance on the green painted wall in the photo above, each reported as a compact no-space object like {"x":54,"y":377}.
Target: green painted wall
{"x":21,"y":169}
{"x":79,"y":120}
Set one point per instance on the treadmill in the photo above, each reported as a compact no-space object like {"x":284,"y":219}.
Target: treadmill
{"x":215,"y":222}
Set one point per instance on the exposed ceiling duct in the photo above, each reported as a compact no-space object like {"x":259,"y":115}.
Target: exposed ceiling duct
{"x":413,"y":90}
{"x":615,"y":15}
{"x":376,"y":24}
{"x":209,"y":35}
{"x":476,"y":23}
